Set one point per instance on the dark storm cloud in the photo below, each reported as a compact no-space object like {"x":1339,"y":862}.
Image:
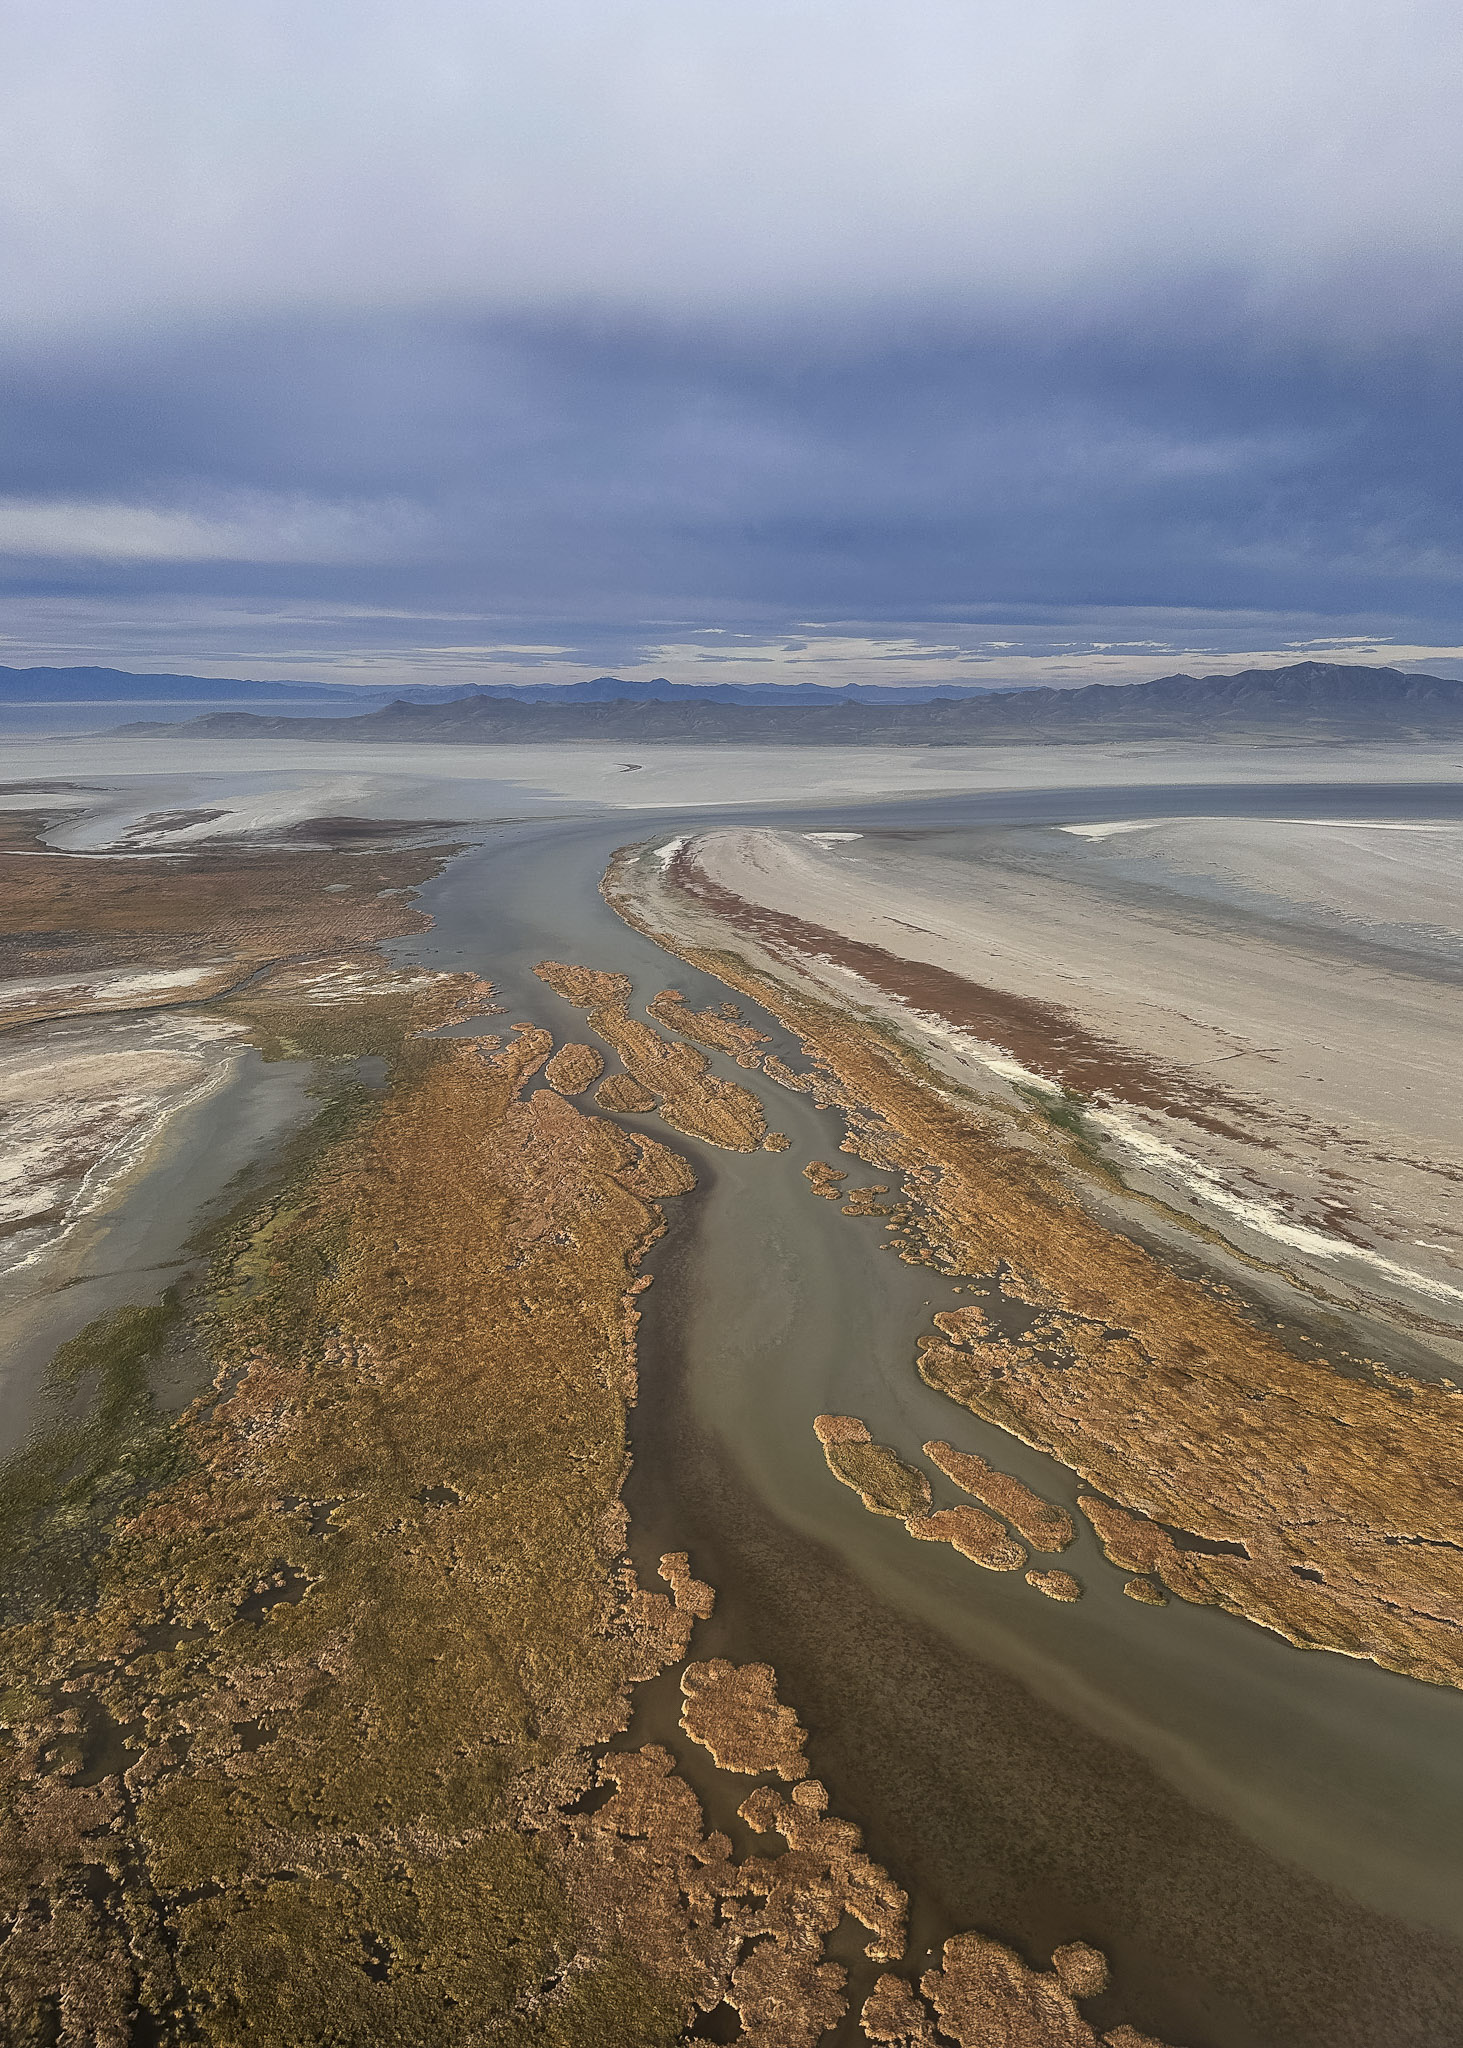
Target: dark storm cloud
{"x":587,"y":332}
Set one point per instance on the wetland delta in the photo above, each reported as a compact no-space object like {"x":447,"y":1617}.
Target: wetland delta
{"x":730,"y":1420}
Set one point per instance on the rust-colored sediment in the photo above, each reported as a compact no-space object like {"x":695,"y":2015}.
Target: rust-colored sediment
{"x":733,"y":1711}
{"x":690,"y":1096}
{"x":573,"y":1068}
{"x":1045,"y":1526}
{"x":1319,"y":1503}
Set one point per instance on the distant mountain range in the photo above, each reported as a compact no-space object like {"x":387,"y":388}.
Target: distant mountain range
{"x":1306,"y":700}
{"x":58,"y":700}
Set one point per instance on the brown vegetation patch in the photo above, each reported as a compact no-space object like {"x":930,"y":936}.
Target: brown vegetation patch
{"x":1081,"y":1970}
{"x":1156,"y":1388}
{"x":692,"y":1595}
{"x":618,"y":1093}
{"x":865,"y":1202}
{"x":972,"y":1532}
{"x":984,"y":1996}
{"x":733,"y":1711}
{"x":434,"y":1338}
{"x":68,"y":912}
{"x":1145,"y":1591}
{"x":824,"y":1179}
{"x":719,"y":1029}
{"x":1044,"y":1525}
{"x":691,"y":1097}
{"x":573,"y":1068}
{"x":886,"y":1485}
{"x":1056,"y":1585}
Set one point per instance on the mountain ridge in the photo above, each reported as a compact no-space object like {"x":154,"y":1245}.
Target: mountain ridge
{"x":1309,"y":699}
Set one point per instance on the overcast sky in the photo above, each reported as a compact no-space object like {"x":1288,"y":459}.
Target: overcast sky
{"x":960,"y":340}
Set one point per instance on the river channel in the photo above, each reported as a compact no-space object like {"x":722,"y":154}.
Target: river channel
{"x":1268,"y":1843}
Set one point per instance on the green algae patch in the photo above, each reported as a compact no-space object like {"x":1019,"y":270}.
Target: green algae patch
{"x":62,"y":1494}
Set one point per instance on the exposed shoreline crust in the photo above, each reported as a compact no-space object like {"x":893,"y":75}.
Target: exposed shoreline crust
{"x":1044,"y":1525}
{"x":574,"y":1068}
{"x":692,"y":1099}
{"x":1332,"y":1496}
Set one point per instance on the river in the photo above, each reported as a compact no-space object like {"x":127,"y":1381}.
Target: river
{"x":1268,"y":1843}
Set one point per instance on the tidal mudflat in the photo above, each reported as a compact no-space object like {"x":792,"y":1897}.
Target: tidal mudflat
{"x":498,"y":1634}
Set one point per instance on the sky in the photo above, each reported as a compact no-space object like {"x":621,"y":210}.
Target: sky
{"x":973,"y":341}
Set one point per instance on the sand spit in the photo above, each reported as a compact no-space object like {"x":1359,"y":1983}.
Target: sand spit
{"x":720,"y":1029}
{"x":1320,"y":1503}
{"x":691,"y":1099}
{"x":734,"y":1712}
{"x":1045,"y":1526}
{"x":573,"y":1069}
{"x":1168,"y":998}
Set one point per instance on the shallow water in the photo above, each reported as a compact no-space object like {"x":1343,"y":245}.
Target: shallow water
{"x":135,"y":1242}
{"x":1268,"y":1842}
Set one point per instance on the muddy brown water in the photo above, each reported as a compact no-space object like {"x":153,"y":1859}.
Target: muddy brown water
{"x":1268,"y":1843}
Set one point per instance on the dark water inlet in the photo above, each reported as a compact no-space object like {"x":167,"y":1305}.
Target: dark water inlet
{"x":1266,"y":1842}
